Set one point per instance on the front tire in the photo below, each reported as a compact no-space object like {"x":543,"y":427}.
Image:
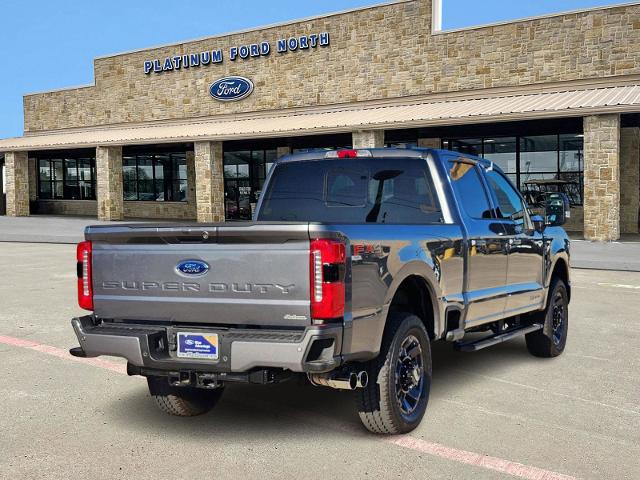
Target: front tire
{"x":552,"y":339}
{"x":182,"y":401}
{"x":395,"y":400}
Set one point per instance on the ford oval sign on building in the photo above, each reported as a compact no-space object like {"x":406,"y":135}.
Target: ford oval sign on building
{"x":231,"y":89}
{"x":192,"y":268}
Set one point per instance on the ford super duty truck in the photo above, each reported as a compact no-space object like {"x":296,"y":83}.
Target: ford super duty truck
{"x":355,"y":262}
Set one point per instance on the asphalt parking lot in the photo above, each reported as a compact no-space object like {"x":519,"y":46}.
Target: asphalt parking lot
{"x":497,"y":413}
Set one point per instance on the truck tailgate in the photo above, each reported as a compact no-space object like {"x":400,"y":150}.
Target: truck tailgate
{"x":257,"y":274}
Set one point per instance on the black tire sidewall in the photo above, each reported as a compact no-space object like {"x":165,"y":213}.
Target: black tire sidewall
{"x":558,"y":286}
{"x":409,"y":325}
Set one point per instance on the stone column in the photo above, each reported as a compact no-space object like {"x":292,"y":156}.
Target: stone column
{"x":430,"y":143}
{"x":282,"y":151}
{"x":109,"y":182}
{"x":16,"y":166}
{"x":209,"y":182}
{"x":602,"y":177}
{"x":368,"y":139}
{"x":629,"y":179}
{"x":33,"y":179}
{"x":191,"y":182}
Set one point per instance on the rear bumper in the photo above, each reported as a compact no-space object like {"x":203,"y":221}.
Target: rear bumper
{"x":314,"y":349}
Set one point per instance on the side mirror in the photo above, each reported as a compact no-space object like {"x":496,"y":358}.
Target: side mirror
{"x":538,"y":223}
{"x":557,"y":209}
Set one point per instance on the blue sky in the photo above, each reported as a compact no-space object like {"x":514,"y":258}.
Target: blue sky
{"x":49,"y":44}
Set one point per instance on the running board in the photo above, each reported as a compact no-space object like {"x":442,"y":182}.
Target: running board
{"x":495,"y":339}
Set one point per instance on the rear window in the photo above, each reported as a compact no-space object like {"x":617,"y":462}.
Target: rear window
{"x":372,"y":190}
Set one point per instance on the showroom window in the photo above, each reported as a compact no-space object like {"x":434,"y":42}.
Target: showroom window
{"x":157,"y":177}
{"x":66,"y":178}
{"x":533,"y":163}
{"x":244,"y":174}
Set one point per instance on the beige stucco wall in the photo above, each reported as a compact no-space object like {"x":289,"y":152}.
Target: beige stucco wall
{"x":375,"y":53}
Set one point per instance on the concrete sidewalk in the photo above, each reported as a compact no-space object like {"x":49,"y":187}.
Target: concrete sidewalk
{"x":622,"y":256}
{"x":47,"y":228}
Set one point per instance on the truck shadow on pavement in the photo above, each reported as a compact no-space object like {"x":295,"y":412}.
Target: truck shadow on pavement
{"x":290,"y":408}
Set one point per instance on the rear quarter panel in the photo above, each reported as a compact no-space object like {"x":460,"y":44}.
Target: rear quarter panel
{"x":382,"y":257}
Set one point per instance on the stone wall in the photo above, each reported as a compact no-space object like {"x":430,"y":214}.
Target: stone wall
{"x":629,"y":179}
{"x":602,"y":177}
{"x":160,"y":210}
{"x":375,"y":53}
{"x":83,"y":208}
{"x":209,"y":181}
{"x":368,"y":139}
{"x":109,"y":183}
{"x":17,"y":173}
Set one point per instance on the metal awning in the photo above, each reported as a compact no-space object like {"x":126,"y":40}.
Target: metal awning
{"x":576,"y":102}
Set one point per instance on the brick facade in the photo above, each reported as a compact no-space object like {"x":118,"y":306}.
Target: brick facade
{"x":602,"y":177}
{"x":17,"y":173}
{"x":375,"y":53}
{"x":109,"y":183}
{"x":209,"y":180}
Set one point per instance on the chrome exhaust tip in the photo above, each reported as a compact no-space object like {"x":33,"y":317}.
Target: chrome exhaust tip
{"x":334,"y":380}
{"x":363,"y":379}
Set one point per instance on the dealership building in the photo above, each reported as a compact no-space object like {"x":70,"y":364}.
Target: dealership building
{"x":189,"y":131}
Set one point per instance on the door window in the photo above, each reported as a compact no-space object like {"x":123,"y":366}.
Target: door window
{"x":509,"y":203}
{"x":469,"y":189}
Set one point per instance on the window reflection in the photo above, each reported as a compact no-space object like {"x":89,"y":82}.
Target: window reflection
{"x":533,"y":163}
{"x":66,"y":178}
{"x":502,"y":152}
{"x":155,"y":177}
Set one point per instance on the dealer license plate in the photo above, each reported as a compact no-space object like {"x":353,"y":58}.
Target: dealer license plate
{"x":203,"y":346}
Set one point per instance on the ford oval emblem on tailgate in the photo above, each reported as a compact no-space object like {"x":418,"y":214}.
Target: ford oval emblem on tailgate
{"x":192,"y":268}
{"x":229,"y":89}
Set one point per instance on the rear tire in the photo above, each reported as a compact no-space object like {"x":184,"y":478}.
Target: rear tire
{"x":552,"y":339}
{"x":396,"y":397}
{"x":182,"y":401}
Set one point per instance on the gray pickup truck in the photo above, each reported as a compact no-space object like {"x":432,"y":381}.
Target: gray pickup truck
{"x":356,"y":260}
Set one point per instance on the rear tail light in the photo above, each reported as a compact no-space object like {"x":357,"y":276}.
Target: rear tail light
{"x":327,"y":269}
{"x":347,"y":154}
{"x":85,"y":288}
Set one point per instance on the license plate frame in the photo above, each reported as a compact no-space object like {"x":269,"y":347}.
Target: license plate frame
{"x":198,"y":346}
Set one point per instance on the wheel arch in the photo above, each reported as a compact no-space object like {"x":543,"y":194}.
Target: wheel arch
{"x":560,"y":269}
{"x":416,"y":293}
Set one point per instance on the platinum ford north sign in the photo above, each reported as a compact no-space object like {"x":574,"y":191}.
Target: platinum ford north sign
{"x":243,"y":52}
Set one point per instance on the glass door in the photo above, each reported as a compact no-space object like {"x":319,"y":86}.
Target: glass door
{"x":244,"y":174}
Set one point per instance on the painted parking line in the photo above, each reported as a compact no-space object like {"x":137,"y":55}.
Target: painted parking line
{"x":477,"y":460}
{"x":404,"y":441}
{"x":61,"y":353}
{"x":619,"y":285}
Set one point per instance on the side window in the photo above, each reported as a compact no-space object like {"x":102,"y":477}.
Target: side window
{"x":469,"y":189}
{"x":510,"y":205}
{"x":403,"y":196}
